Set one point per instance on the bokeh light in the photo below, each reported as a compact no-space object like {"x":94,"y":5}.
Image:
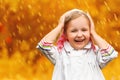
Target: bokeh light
{"x":24,"y":22}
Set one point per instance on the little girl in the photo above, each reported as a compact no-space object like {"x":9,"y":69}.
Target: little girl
{"x":80,"y":53}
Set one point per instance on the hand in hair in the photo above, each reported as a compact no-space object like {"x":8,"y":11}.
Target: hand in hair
{"x":92,"y":26}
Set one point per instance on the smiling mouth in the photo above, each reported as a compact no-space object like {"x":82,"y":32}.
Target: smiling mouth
{"x":79,"y":40}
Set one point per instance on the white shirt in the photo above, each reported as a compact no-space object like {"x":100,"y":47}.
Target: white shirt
{"x":73,"y":64}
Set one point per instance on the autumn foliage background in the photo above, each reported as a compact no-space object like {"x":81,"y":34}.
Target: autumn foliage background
{"x":24,"y":22}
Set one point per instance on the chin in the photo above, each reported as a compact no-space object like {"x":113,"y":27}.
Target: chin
{"x":79,"y":47}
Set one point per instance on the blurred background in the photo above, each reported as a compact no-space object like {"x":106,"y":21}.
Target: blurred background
{"x":24,"y":22}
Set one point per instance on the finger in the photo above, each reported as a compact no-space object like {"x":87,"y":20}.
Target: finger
{"x":91,"y":20}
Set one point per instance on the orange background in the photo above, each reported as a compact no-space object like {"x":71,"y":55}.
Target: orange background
{"x":24,"y":22}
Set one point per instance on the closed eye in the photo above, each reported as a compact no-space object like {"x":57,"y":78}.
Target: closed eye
{"x":75,"y":30}
{"x":84,"y":29}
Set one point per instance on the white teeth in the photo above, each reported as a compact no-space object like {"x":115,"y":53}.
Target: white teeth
{"x":79,"y":40}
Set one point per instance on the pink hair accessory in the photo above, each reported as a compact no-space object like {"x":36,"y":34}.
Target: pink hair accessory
{"x":60,"y":42}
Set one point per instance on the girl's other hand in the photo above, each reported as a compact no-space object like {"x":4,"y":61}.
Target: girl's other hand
{"x":61,"y":21}
{"x":66,"y":16}
{"x":92,"y":26}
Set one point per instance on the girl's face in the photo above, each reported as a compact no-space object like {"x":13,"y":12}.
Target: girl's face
{"x":78,"y":32}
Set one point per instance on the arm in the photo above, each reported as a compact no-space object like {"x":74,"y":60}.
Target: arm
{"x":51,"y":36}
{"x":106,"y":52}
{"x":45,"y":45}
{"x":98,"y":40}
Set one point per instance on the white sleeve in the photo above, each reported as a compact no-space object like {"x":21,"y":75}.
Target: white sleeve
{"x":49,"y":50}
{"x":106,"y":55}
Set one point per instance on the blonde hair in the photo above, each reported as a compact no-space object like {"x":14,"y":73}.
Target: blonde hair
{"x":73,"y":14}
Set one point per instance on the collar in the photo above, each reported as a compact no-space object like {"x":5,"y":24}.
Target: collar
{"x":69,"y":48}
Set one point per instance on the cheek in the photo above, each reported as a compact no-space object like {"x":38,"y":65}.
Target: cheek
{"x":87,"y":35}
{"x":69,"y":36}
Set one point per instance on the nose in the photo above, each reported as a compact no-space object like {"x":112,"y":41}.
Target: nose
{"x":79,"y":34}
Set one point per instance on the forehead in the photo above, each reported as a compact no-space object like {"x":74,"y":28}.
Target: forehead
{"x":80,"y":21}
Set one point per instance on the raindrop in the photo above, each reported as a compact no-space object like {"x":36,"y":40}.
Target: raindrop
{"x":106,"y":4}
{"x":115,"y":16}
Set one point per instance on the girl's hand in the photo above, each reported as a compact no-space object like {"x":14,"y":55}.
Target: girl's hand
{"x":92,"y":26}
{"x":61,"y":21}
{"x":66,"y":16}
